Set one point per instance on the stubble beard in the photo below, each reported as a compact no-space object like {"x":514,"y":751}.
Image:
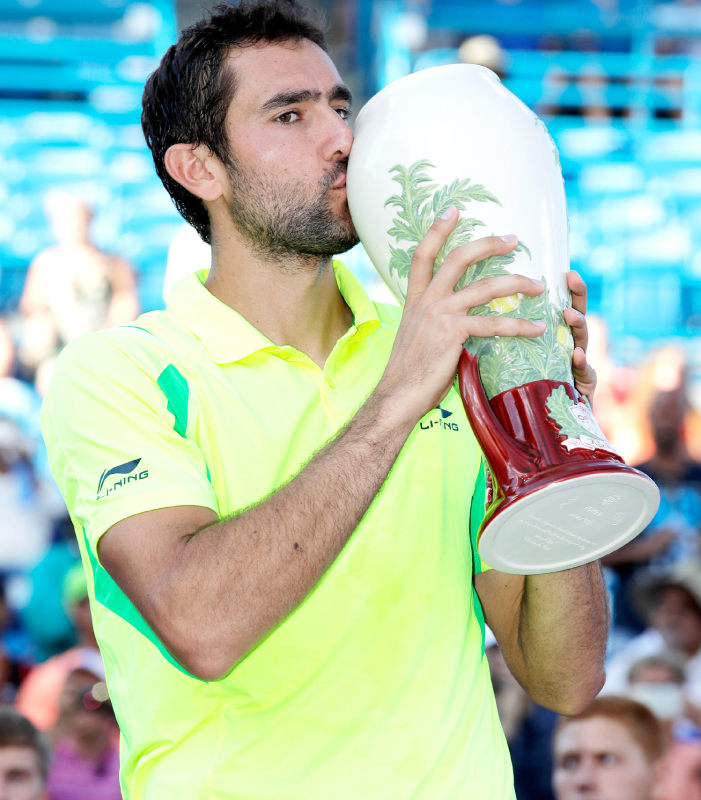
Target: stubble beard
{"x":285,"y":221}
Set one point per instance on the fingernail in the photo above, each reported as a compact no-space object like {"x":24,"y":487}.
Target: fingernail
{"x":539,"y":323}
{"x":537,"y":282}
{"x":510,"y":237}
{"x":448,"y":213}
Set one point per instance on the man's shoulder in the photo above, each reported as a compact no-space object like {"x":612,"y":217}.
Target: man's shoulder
{"x":132,"y":341}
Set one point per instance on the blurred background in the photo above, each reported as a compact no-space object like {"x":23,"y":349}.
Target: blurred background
{"x":89,"y":238}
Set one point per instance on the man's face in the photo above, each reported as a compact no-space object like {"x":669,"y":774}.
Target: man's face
{"x":678,"y":619}
{"x":289,"y":143}
{"x":666,"y":418}
{"x":20,"y":776}
{"x":596,"y":759}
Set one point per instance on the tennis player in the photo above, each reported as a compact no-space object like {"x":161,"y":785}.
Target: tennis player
{"x":274,"y":485}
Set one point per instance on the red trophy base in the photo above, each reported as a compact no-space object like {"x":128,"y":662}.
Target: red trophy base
{"x":562,"y":496}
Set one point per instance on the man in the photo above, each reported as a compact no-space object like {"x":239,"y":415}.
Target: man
{"x":658,"y":683}
{"x":281,"y":555}
{"x":612,"y":751}
{"x":674,"y":536}
{"x":86,"y":758}
{"x":671,"y":603}
{"x":24,"y":758}
{"x":72,"y":287}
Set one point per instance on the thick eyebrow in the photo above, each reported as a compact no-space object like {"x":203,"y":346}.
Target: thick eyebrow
{"x":291,"y":97}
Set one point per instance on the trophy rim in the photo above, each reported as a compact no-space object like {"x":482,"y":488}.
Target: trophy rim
{"x":493,"y":549}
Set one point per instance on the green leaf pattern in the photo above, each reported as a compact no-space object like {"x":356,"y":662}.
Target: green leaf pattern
{"x":576,"y":422}
{"x":558,"y":405}
{"x":504,"y":362}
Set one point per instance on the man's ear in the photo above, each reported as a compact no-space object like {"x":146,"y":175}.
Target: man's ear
{"x":195,"y":168}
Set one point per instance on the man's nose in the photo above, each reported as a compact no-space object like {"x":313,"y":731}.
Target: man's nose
{"x":585,"y":777}
{"x":339,"y":137}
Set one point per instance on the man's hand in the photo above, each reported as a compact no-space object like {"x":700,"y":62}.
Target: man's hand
{"x":435,"y":324}
{"x":584,"y":374}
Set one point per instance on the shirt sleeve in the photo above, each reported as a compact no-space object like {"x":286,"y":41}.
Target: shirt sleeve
{"x":481,"y":499}
{"x":117,"y":436}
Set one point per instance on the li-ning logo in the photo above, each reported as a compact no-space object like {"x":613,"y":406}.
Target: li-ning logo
{"x":440,"y":423}
{"x":122,"y":469}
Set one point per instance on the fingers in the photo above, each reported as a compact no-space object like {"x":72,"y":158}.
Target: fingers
{"x":501,"y":326}
{"x":579,"y":291}
{"x":488,"y":289}
{"x":458,"y":260}
{"x":578,"y":324}
{"x":422,"y":261}
{"x":584,"y":374}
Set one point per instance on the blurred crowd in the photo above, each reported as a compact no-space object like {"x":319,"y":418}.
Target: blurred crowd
{"x":61,"y":741}
{"x":640,"y":740}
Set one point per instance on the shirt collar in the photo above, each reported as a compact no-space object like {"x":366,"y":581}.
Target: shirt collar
{"x":229,"y":337}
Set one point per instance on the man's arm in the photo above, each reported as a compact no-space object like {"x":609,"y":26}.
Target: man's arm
{"x":552,"y":629}
{"x":211,"y":590}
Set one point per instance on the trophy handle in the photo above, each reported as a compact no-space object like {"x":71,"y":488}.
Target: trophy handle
{"x":512,"y":462}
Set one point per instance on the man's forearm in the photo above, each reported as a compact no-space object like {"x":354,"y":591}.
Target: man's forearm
{"x":552,"y":630}
{"x":562,"y":634}
{"x":246,"y":573}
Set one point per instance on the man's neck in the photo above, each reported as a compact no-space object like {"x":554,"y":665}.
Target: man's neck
{"x":292,"y":301}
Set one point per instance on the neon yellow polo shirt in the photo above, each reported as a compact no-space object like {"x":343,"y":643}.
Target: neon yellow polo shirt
{"x":377,"y":685}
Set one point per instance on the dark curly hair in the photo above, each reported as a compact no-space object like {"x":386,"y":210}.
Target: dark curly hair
{"x":186,"y":99}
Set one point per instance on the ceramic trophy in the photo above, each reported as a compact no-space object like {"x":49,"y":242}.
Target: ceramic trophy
{"x":454,"y":135}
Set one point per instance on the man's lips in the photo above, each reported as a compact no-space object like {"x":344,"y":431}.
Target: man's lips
{"x":340,"y":182}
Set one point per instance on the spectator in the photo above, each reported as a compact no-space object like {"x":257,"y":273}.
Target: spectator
{"x":86,"y":759}
{"x":28,"y":504}
{"x":616,"y":404}
{"x":12,"y":668}
{"x":679,"y":479}
{"x":674,"y":535}
{"x":39,"y":695}
{"x":613,"y":750}
{"x":44,"y":616}
{"x":485,"y":51}
{"x":681,"y":779}
{"x":72,"y":288}
{"x":658,"y":683}
{"x":24,"y":759}
{"x":671,"y":603}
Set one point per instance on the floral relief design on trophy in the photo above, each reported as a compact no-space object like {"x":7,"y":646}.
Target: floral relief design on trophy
{"x":504,"y":362}
{"x":576,"y":422}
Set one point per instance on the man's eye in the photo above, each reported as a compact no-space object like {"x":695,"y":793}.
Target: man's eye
{"x":570,"y":762}
{"x":608,"y":759}
{"x":344,"y":113}
{"x":286,"y":118}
